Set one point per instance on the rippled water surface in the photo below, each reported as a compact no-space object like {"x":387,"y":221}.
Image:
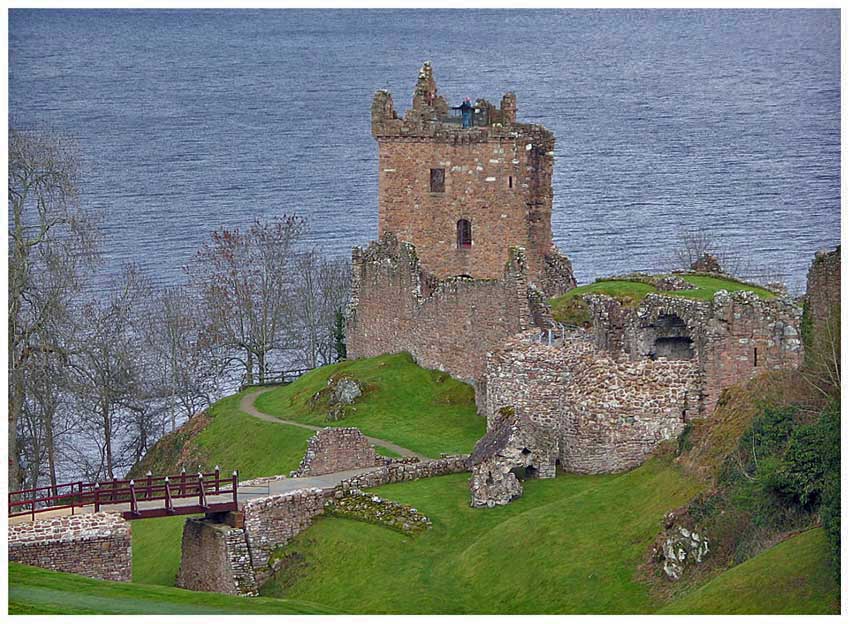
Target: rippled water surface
{"x":665,"y":120}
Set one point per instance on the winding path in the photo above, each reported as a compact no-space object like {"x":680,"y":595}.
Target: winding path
{"x":247,"y":405}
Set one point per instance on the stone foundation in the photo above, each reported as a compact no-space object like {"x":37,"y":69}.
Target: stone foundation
{"x":95,"y":545}
{"x":336,"y":449}
{"x":215,"y":558}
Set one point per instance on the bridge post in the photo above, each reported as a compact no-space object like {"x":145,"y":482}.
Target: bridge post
{"x":235,"y":485}
{"x":149,"y":490}
{"x":96,"y":497}
{"x":183,"y":481}
{"x":134,"y":506}
{"x":217,"y":479}
{"x":202,"y":498}
{"x":169,"y":507}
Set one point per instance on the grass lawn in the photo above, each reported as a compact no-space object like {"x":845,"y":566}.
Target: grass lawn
{"x":569,"y":545}
{"x":426,"y":411}
{"x":792,"y":577}
{"x":232,"y":440}
{"x":36,"y":591}
{"x":569,"y":307}
{"x":156,"y":549}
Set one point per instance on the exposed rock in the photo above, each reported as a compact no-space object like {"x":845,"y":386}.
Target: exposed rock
{"x":672,"y":282}
{"x":678,"y":547}
{"x":340,"y":394}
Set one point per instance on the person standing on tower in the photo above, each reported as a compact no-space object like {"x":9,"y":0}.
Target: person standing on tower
{"x":465,"y":112}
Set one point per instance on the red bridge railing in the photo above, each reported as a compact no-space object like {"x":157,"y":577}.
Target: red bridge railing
{"x":191,"y":493}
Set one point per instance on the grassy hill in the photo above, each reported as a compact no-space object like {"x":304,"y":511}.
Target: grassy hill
{"x":793,"y":577}
{"x":34,"y":591}
{"x":227,"y":437}
{"x":569,"y":545}
{"x":424,"y":410}
{"x":570,"y":308}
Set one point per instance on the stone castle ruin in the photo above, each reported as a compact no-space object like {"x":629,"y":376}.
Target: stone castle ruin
{"x":460,"y":278}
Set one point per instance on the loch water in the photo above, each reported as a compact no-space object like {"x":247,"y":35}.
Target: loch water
{"x":665,"y":121}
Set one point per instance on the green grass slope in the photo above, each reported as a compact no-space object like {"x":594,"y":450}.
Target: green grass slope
{"x":156,"y":549}
{"x":35,"y":591}
{"x":423,"y":410}
{"x":231,"y":439}
{"x":568,"y":545}
{"x":793,"y":577}
{"x":569,"y":307}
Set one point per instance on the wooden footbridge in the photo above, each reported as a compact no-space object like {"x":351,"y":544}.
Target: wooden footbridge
{"x":148,"y":497}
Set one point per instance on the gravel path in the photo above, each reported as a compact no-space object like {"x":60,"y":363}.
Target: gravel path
{"x":247,"y":406}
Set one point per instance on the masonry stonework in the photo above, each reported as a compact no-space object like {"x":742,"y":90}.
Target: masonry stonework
{"x":495,"y":175}
{"x":96,"y":545}
{"x":215,"y":558}
{"x":444,"y":324}
{"x":336,"y":449}
{"x":607,"y":414}
{"x":731,"y":338}
{"x":823,"y":286}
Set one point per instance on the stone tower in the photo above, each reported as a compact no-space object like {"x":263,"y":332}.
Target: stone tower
{"x":465,"y":196}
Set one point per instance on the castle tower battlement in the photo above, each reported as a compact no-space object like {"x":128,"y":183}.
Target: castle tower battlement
{"x":464,"y":191}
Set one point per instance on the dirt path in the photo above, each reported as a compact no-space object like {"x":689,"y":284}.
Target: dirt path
{"x":247,"y":406}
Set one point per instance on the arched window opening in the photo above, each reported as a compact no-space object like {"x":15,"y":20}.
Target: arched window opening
{"x":464,"y":234}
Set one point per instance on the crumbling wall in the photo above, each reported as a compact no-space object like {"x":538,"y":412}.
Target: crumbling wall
{"x":450,"y":328}
{"x":215,"y":558}
{"x":735,"y":335}
{"x":823,"y":286}
{"x":272,"y":521}
{"x":608,"y":414}
{"x":96,"y":545}
{"x":335,"y":449}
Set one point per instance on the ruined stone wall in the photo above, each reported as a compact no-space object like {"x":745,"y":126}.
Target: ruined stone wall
{"x":272,"y":521}
{"x":823,"y":285}
{"x":95,"y":545}
{"x":497,"y":176}
{"x":402,"y":471}
{"x":335,"y":449}
{"x":735,"y":336}
{"x":608,"y":414}
{"x":448,"y":325}
{"x":215,"y":558}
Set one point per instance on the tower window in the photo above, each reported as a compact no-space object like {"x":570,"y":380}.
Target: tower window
{"x":755,"y":356}
{"x":464,"y":234}
{"x":510,"y":182}
{"x":438,"y":180}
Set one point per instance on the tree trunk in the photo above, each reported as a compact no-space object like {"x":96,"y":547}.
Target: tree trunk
{"x":51,"y":450}
{"x":249,"y":368}
{"x":16,"y":405}
{"x":261,"y":362}
{"x":107,"y":438}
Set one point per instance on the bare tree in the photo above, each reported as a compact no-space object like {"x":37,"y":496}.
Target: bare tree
{"x":245,"y":283}
{"x":109,"y":375}
{"x":51,"y":240}
{"x":822,"y":362}
{"x":322,"y":290}
{"x":187,"y":367}
{"x":698,"y":246}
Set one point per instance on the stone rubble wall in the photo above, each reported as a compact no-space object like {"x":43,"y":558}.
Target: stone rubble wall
{"x":373,"y":509}
{"x":397,"y":472}
{"x":735,"y":336}
{"x":272,"y":521}
{"x":336,"y":449}
{"x":608,"y":414}
{"x":823,"y":285}
{"x":447,"y":325}
{"x":96,"y":545}
{"x":215,"y":558}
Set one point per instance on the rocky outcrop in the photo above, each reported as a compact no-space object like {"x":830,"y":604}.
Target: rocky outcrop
{"x":679,"y":547}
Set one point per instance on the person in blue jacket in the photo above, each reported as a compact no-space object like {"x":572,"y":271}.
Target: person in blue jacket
{"x":465,"y":112}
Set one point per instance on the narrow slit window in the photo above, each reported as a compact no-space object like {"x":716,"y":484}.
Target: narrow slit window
{"x":438,"y":180}
{"x":464,"y":234}
{"x":510,"y":182}
{"x":755,"y":356}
